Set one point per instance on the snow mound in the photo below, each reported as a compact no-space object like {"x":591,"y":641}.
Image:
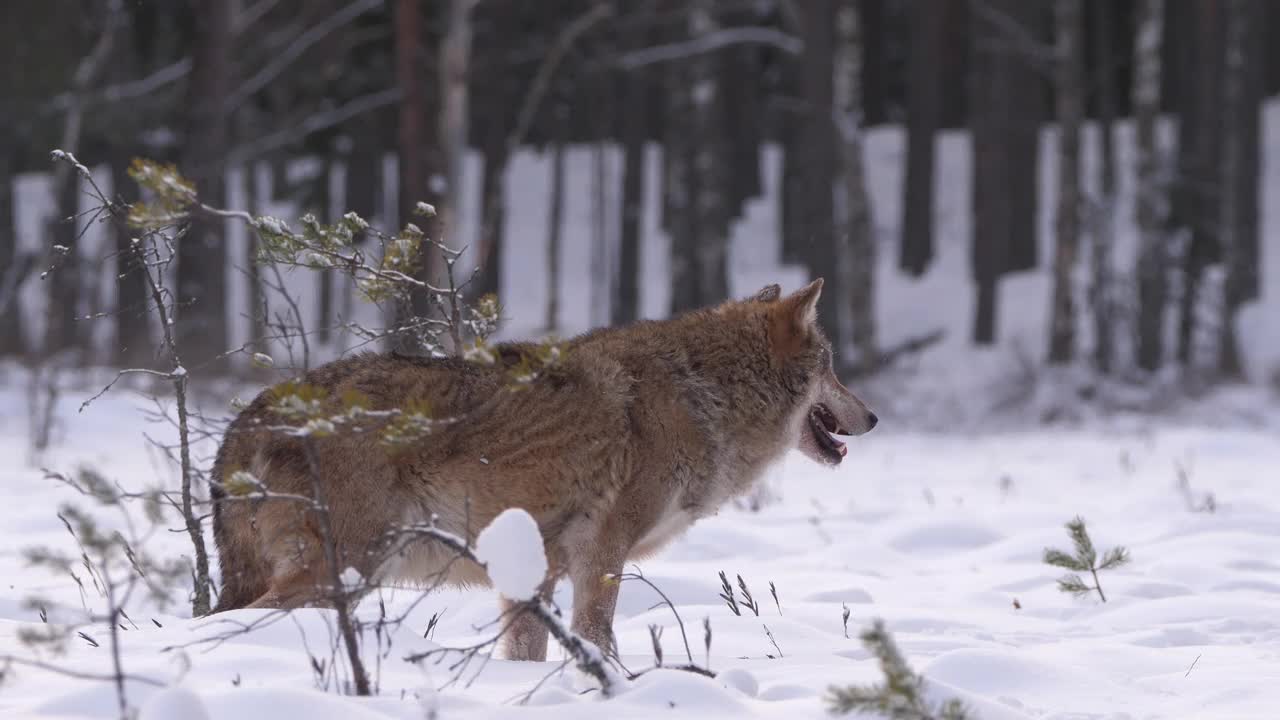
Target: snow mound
{"x":511,"y":549}
{"x":174,"y":703}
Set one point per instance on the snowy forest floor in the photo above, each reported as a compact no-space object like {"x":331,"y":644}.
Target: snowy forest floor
{"x":937,"y":532}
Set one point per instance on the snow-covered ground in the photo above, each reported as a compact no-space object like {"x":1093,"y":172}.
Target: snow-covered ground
{"x":939,"y":534}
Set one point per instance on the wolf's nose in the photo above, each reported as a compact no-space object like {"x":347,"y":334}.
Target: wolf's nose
{"x":872,"y":420}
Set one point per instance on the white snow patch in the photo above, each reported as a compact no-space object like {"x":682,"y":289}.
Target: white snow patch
{"x":511,"y":549}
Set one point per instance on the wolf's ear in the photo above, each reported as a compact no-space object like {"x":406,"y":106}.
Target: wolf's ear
{"x":803,"y":303}
{"x":768,"y":293}
{"x":793,"y":317}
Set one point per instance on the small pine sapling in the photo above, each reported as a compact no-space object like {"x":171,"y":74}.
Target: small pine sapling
{"x":1085,"y":559}
{"x":900,"y":696}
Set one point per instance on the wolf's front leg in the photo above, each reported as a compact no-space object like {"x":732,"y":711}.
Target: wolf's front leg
{"x":595,"y":595}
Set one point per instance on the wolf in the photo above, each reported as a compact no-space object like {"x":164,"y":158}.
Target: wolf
{"x":631,"y":436}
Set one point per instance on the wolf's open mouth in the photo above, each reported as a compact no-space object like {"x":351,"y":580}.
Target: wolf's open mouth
{"x":823,"y":423}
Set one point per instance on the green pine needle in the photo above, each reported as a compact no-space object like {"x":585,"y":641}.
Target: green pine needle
{"x":1084,"y":560}
{"x":900,"y":696}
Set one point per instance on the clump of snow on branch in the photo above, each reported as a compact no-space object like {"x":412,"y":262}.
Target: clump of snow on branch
{"x":511,"y":549}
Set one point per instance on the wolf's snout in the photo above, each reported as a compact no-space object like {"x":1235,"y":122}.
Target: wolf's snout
{"x":872,"y":420}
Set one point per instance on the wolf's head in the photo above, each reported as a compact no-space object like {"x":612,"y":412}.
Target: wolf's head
{"x":827,"y":409}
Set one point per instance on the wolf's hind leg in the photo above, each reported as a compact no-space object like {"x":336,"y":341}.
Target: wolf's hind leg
{"x":526,"y":636}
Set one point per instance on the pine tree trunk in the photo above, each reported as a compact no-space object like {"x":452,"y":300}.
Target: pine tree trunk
{"x":454,"y":63}
{"x":64,"y":281}
{"x":493,"y":212}
{"x":791,"y":222}
{"x":1152,"y":203}
{"x":600,"y":276}
{"x":1101,"y":289}
{"x":923,"y":110}
{"x":11,"y":338}
{"x":819,"y":160}
{"x":860,"y":262}
{"x":626,"y":302}
{"x":1024,"y":106}
{"x":711,"y":182}
{"x":1240,"y":169}
{"x":1069,"y":74}
{"x":1197,"y":206}
{"x":555,"y":219}
{"x":989,"y":93}
{"x":201,"y":329}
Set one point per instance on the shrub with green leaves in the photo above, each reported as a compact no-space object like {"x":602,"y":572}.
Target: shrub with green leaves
{"x":1085,"y":559}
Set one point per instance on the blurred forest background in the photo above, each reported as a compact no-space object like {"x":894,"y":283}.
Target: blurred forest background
{"x":690,"y":124}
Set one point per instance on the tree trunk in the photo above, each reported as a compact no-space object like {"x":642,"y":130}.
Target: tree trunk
{"x":1070,"y":111}
{"x":454,"y":62}
{"x":818,"y":162}
{"x":11,"y":337}
{"x":791,"y":223}
{"x":201,"y":331}
{"x":493,"y":211}
{"x":924,"y":97}
{"x":989,"y":93}
{"x":555,"y":218}
{"x":1240,"y":170}
{"x":860,"y":261}
{"x":1103,"y":230}
{"x":1152,"y":203}
{"x":1024,"y":110}
{"x":1200,"y":138}
{"x":710,"y":162}
{"x":626,"y":302}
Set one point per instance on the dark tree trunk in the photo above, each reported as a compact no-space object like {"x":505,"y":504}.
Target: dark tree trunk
{"x":1101,"y":288}
{"x":1153,"y":253}
{"x":326,"y":278}
{"x":876,"y":69}
{"x":201,"y":331}
{"x":1200,"y":137}
{"x":710,"y":162}
{"x":65,"y":281}
{"x":1025,"y":109}
{"x":819,"y":157}
{"x":1245,"y":54}
{"x":11,"y":333}
{"x":418,"y":153}
{"x":626,"y":303}
{"x":927,"y":32}
{"x":990,"y":88}
{"x":791,"y":222}
{"x":555,"y":217}
{"x":1070,"y":115}
{"x":742,"y":122}
{"x":493,"y":211}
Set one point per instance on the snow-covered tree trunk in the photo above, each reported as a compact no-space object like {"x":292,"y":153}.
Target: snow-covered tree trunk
{"x":859,"y":262}
{"x":1069,"y":89}
{"x":1152,"y":259}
